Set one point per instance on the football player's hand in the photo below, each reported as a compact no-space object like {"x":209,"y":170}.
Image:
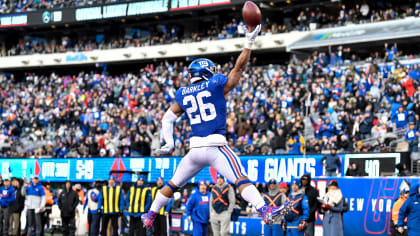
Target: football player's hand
{"x":251,"y":36}
{"x":166,"y":149}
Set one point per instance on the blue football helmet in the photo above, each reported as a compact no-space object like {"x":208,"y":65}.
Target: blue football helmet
{"x":201,"y":69}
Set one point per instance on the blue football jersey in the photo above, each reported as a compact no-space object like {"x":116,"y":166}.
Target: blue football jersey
{"x":205,"y":105}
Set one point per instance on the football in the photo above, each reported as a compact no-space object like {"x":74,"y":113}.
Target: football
{"x":251,"y":14}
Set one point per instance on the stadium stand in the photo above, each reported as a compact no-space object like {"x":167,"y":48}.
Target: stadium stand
{"x":299,"y":19}
{"x":97,"y":114}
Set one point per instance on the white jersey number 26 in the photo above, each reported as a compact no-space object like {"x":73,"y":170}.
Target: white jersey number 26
{"x":198,"y":104}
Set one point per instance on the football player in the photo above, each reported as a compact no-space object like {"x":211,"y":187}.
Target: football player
{"x":204,"y":101}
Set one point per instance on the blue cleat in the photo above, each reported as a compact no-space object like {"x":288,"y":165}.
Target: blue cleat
{"x":282,"y":210}
{"x":148,"y":219}
{"x":266,"y":213}
{"x":269,"y":214}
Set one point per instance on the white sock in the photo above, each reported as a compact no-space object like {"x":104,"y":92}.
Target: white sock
{"x":159,"y":202}
{"x":250,"y":194}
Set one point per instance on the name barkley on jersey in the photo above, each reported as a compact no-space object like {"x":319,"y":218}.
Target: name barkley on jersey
{"x":195,"y":88}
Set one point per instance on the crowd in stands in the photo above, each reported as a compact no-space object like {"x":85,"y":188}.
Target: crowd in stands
{"x":102,"y":115}
{"x":307,"y":19}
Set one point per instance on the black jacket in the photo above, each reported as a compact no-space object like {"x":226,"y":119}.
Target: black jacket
{"x":19,"y":204}
{"x":279,"y":142}
{"x":312,"y":194}
{"x":67,"y":202}
{"x":357,"y":172}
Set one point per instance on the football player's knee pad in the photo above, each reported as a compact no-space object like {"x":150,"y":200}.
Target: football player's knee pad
{"x":242,"y":182}
{"x":172,"y":187}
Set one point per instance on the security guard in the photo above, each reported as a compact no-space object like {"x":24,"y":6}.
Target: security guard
{"x":111,"y":204}
{"x":138,"y":201}
{"x":160,"y":225}
{"x":222,"y":202}
{"x":273,"y":197}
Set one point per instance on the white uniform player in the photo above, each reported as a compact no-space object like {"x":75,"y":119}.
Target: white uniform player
{"x":204,"y":101}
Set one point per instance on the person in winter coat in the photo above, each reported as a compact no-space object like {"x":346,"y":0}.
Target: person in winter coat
{"x":67,"y":202}
{"x":411,"y":210}
{"x":296,"y":220}
{"x":332,"y":163}
{"x":16,"y":208}
{"x":222,"y":202}
{"x":353,"y":170}
{"x":92,"y":204}
{"x":198,"y":209}
{"x":35,"y":204}
{"x":332,"y":207}
{"x":273,"y":197}
{"x":7,"y":198}
{"x":404,"y":194}
{"x":365,"y":125}
{"x":312,"y":195}
{"x":278,"y":143}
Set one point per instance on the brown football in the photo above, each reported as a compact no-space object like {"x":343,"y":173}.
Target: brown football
{"x":251,"y":14}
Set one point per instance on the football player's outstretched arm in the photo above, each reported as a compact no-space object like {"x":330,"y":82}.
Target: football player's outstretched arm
{"x":242,"y":61}
{"x":168,"y":127}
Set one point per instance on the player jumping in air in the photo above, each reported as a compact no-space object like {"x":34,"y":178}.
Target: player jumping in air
{"x":204,"y":101}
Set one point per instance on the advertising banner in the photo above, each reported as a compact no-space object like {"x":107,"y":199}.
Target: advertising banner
{"x":359,"y":33}
{"x":259,"y":168}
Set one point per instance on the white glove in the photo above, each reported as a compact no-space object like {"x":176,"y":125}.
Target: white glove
{"x":189,"y":218}
{"x":251,"y":36}
{"x":166,"y":149}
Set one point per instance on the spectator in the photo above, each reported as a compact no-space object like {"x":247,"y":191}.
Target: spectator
{"x":222,"y":202}
{"x":284,"y":188}
{"x":332,"y":208}
{"x":365,"y":125}
{"x":278,"y":143}
{"x":16,"y":208}
{"x":35,"y":204}
{"x":7,"y":198}
{"x":302,"y":21}
{"x":332,"y":163}
{"x":296,"y":221}
{"x":353,"y":170}
{"x":411,"y":210}
{"x":67,"y":202}
{"x":402,"y":169}
{"x":412,"y":136}
{"x":198,"y":209}
{"x":312,"y":194}
{"x":185,"y":197}
{"x":390,"y":53}
{"x":92,"y":204}
{"x":274,"y":197}
{"x":400,"y":118}
{"x":404,"y":194}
